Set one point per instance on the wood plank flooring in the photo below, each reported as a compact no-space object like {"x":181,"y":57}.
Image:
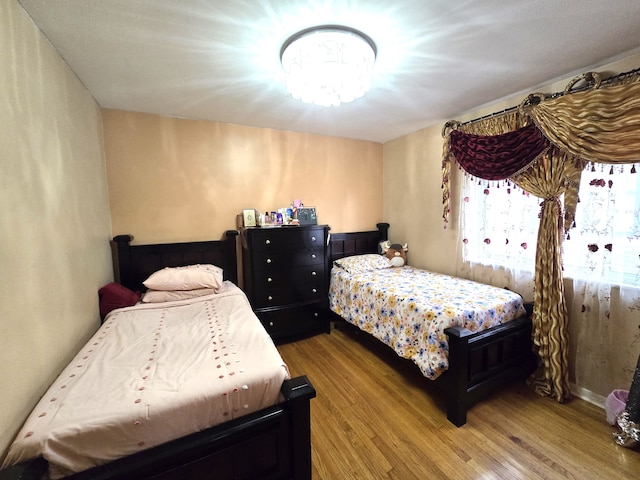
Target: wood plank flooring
{"x":376,"y":417}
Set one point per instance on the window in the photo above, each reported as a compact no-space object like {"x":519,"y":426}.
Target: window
{"x":500,"y":223}
{"x":605,"y":242}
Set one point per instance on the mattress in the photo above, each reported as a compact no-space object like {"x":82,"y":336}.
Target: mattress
{"x":408,"y":309}
{"x":153,"y":373}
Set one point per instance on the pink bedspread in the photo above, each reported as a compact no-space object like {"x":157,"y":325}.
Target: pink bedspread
{"x":153,"y":373}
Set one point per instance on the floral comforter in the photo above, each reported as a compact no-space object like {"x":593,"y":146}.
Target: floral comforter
{"x":408,"y":309}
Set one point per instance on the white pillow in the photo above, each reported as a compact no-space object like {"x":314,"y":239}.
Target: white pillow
{"x":191,"y":277}
{"x":363,"y":263}
{"x":158,"y":296}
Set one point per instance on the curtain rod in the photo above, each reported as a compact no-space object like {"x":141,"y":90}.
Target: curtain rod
{"x":607,"y":81}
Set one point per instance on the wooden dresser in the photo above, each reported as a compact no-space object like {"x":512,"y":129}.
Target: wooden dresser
{"x":285,"y":277}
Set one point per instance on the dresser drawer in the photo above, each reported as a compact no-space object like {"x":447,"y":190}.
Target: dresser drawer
{"x":312,"y":275}
{"x":279,"y":259}
{"x":282,"y":287}
{"x":291,"y":238}
{"x":295,"y":321}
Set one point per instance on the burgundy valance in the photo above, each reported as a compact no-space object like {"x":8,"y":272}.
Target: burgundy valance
{"x":496,"y":157}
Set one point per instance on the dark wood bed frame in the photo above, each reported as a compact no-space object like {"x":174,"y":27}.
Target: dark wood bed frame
{"x":479,"y":363}
{"x":274,"y":443}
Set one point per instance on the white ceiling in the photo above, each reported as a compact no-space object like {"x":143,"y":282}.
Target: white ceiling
{"x":437,"y":59}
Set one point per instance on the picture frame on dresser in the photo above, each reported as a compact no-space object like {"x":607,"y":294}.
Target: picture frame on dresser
{"x":285,"y":277}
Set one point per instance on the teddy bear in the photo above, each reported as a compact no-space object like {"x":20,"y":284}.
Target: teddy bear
{"x":396,"y":253}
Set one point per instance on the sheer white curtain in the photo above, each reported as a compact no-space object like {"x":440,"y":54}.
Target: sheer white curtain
{"x":499,"y":224}
{"x":602,"y":257}
{"x":499,"y":228}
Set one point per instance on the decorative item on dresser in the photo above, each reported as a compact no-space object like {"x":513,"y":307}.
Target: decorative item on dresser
{"x":285,"y":277}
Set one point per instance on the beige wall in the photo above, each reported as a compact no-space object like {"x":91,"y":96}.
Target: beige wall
{"x":54,"y":217}
{"x":413,"y":200}
{"x":173,"y":179}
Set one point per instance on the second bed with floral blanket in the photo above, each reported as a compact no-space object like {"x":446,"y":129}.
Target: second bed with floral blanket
{"x":409,"y":309}
{"x":471,"y":338}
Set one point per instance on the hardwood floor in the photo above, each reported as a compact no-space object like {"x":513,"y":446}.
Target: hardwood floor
{"x":376,"y":417}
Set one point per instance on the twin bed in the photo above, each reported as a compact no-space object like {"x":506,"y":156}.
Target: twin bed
{"x":469,"y":338}
{"x":158,"y":371}
{"x":128,"y":404}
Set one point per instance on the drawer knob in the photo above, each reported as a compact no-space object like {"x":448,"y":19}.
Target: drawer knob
{"x":271,"y":324}
{"x":267,"y":241}
{"x":269,"y":279}
{"x":313,"y":239}
{"x":315,"y":314}
{"x":314,"y":274}
{"x":269,"y":298}
{"x":314,"y":290}
{"x":313,"y":255}
{"x":268,"y":260}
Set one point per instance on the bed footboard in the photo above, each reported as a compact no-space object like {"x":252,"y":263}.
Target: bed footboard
{"x":479,"y":363}
{"x":274,"y":443}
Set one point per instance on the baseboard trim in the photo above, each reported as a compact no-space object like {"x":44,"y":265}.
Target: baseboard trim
{"x":587,"y":395}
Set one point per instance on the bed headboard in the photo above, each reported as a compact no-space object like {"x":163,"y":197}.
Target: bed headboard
{"x":356,"y":243}
{"x":132,"y":264}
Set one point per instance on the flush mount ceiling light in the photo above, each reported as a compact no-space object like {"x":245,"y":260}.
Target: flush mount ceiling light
{"x":328,"y":65}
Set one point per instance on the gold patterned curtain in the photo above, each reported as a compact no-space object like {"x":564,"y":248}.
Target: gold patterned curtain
{"x":556,"y":174}
{"x":598,"y":125}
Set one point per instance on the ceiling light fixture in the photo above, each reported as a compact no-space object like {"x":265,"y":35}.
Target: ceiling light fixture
{"x":328,"y":65}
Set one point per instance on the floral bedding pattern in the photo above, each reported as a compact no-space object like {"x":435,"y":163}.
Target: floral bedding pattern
{"x":408,"y":309}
